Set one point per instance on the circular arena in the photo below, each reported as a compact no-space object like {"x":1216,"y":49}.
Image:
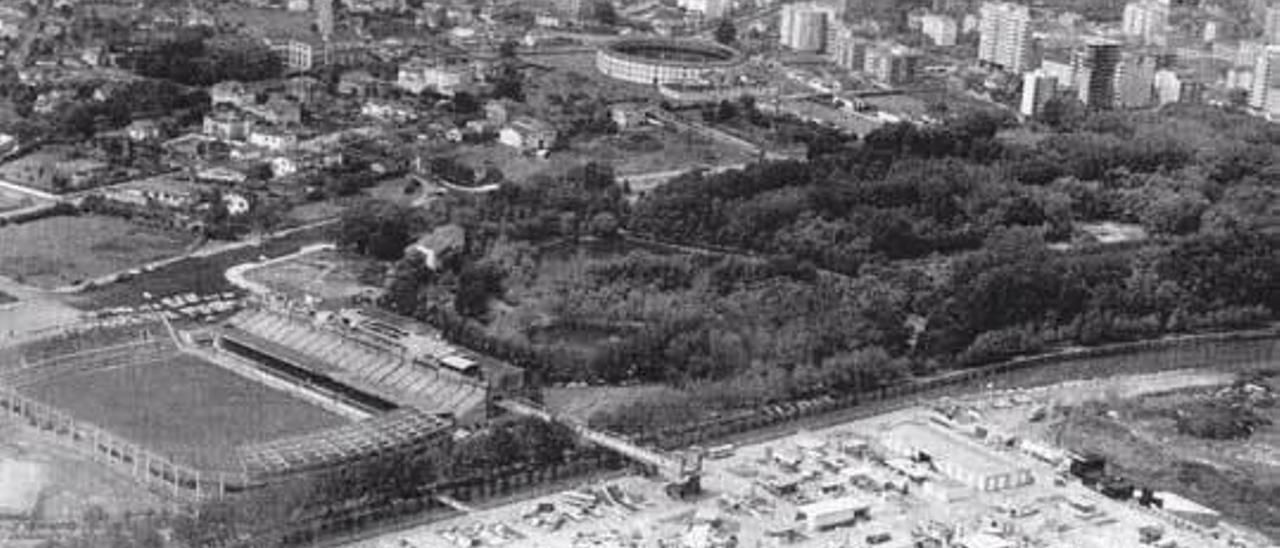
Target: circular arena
{"x":657,"y":61}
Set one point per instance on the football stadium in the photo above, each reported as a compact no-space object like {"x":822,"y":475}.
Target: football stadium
{"x":269,"y":392}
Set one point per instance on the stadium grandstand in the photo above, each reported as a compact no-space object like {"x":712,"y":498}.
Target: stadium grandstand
{"x":364,"y":366}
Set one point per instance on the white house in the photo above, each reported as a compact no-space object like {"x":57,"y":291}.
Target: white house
{"x":273,"y":139}
{"x":436,"y":246}
{"x":528,"y":135}
{"x":418,"y":75}
{"x":231,"y":93}
{"x":227,"y":125}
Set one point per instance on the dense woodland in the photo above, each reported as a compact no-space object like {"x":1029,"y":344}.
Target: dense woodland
{"x":916,"y":250}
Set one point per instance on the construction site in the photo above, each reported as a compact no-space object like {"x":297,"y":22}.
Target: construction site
{"x":960,"y":473}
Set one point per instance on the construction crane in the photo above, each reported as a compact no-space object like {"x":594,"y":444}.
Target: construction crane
{"x":682,"y":469}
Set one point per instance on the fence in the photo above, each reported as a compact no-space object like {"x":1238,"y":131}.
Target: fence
{"x":156,"y":472}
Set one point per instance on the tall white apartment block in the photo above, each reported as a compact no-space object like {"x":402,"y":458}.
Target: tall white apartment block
{"x":1037,"y":88}
{"x":1147,"y":21}
{"x":940,"y":28}
{"x":1271,"y":24}
{"x":806,"y":26}
{"x":710,"y":9}
{"x":1265,"y":95}
{"x":1004,"y":35}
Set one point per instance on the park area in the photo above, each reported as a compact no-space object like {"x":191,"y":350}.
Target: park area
{"x":327,"y":275}
{"x":66,"y":250}
{"x":184,"y":407}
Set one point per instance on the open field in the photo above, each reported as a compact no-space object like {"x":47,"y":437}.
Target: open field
{"x":326,"y":275}
{"x":184,"y":407}
{"x":199,"y":274}
{"x":58,"y":251}
{"x":657,"y":149}
{"x":645,"y":150}
{"x":36,"y":170}
{"x":583,"y":402}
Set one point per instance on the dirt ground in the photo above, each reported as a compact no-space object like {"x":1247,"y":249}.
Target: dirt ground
{"x":1128,"y":420}
{"x":326,"y":275}
{"x":72,"y":483}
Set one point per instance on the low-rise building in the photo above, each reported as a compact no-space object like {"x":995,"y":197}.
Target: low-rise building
{"x":227,"y":125}
{"x":960,"y":459}
{"x":358,"y":83}
{"x":272,"y":138}
{"x":232,"y":93}
{"x":388,"y":111}
{"x":418,"y":75}
{"x":278,"y":109}
{"x":143,"y":130}
{"x":439,"y":245}
{"x":528,"y":135}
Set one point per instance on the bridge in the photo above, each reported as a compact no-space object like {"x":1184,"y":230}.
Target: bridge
{"x":683,"y":470}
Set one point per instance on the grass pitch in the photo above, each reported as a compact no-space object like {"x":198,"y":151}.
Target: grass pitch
{"x":183,"y":407}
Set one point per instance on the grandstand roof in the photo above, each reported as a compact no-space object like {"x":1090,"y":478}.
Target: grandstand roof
{"x":398,"y":429}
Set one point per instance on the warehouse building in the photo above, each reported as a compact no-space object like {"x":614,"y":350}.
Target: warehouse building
{"x":955,"y":456}
{"x":826,"y":514}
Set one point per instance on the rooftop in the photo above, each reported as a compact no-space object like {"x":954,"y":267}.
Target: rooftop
{"x":945,"y":444}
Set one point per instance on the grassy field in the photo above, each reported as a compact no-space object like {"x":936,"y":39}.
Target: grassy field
{"x":202,"y":275}
{"x":583,"y":402}
{"x":326,"y":275}
{"x":36,"y":169}
{"x":57,"y":251}
{"x":184,"y":407}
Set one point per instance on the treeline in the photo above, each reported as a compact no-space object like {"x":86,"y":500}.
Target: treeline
{"x":984,"y":211}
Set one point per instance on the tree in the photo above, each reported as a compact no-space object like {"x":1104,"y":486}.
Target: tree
{"x":509,"y":82}
{"x":378,"y":228}
{"x":478,"y":283}
{"x":465,"y":103}
{"x":1062,"y":113}
{"x":605,"y":12}
{"x":508,"y":49}
{"x":726,"y":33}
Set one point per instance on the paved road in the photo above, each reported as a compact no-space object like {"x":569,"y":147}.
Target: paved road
{"x":30,"y":191}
